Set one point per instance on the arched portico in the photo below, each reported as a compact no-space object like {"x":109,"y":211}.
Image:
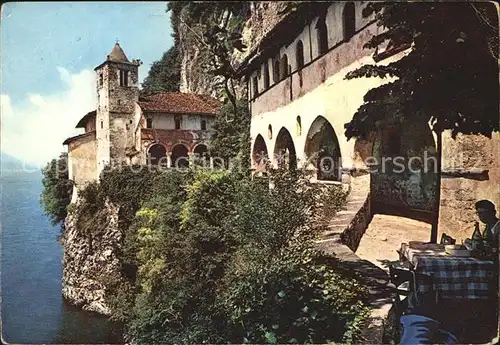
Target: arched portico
{"x":157,"y":155}
{"x":201,"y":155}
{"x":260,"y":155}
{"x":180,"y":156}
{"x":322,"y":150}
{"x":284,"y":150}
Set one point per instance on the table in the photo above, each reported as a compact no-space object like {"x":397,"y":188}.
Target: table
{"x":454,"y":277}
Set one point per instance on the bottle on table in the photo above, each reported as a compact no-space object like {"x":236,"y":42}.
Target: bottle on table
{"x":477,"y":239}
{"x":487,"y":241}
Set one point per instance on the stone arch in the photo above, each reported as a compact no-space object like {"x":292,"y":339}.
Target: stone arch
{"x":322,"y":150}
{"x":201,"y":155}
{"x":284,"y":150}
{"x":157,"y":154}
{"x":404,"y":180}
{"x":180,"y":156}
{"x":260,"y":155}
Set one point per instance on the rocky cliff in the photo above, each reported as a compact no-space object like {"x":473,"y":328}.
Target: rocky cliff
{"x":261,"y":19}
{"x":89,"y":260}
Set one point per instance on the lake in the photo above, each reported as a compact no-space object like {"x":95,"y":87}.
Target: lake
{"x":32,"y":309}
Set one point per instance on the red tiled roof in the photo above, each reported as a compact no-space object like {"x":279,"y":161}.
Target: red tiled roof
{"x":80,"y":136}
{"x":179,"y":102}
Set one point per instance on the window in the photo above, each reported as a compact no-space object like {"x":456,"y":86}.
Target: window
{"x":123,"y":78}
{"x":300,"y":54}
{"x":348,"y":20}
{"x":149,"y":123}
{"x":270,"y":132}
{"x":178,"y":121}
{"x":255,"y":87}
{"x":101,"y":79}
{"x":322,"y":35}
{"x":203,"y":125}
{"x":266,"y":75}
{"x":102,"y":124}
{"x":299,"y":126}
{"x":276,"y":70}
{"x":284,"y":67}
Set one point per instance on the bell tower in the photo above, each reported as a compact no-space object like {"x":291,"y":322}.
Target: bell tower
{"x":117,"y":94}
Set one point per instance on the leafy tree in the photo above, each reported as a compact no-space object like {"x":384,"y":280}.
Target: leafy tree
{"x":449,"y":77}
{"x":57,"y":189}
{"x":164,"y":74}
{"x":217,"y":264}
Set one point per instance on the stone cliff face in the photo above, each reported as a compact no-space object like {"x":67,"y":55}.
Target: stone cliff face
{"x":262,"y":18}
{"x":88,"y":261}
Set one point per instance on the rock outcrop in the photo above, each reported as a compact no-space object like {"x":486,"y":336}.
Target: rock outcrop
{"x":89,"y":260}
{"x":262,"y":18}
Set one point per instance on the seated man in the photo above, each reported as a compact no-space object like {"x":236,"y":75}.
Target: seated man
{"x":486,"y":212}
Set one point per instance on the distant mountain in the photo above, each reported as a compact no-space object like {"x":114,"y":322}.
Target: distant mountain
{"x":10,"y":163}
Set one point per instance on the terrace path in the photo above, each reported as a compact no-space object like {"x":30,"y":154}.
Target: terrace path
{"x":385,"y":234}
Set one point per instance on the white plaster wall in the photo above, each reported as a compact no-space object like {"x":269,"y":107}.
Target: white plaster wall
{"x":309,"y":38}
{"x":336,"y":99}
{"x":189,"y":122}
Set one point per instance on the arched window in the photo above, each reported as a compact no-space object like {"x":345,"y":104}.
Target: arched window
{"x":149,"y":123}
{"x":300,"y":54}
{"x":276,"y":70}
{"x":269,"y":132}
{"x":298,"y":126}
{"x":255,"y":86}
{"x":348,"y":20}
{"x":284,"y":67}
{"x":157,"y":155}
{"x":322,"y":35}
{"x":266,"y":75}
{"x":203,"y":125}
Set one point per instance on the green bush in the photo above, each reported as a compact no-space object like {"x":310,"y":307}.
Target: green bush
{"x":224,"y":259}
{"x":290,"y":297}
{"x":57,"y":189}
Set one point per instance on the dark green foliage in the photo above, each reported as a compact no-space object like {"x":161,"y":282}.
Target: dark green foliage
{"x":450,"y":76}
{"x":231,"y":138}
{"x":57,"y":189}
{"x":202,"y":248}
{"x":289,"y":296}
{"x":164,"y":74}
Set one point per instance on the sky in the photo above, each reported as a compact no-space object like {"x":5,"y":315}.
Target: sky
{"x":48,"y":52}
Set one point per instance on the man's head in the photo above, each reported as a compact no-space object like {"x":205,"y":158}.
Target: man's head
{"x":485,"y":210}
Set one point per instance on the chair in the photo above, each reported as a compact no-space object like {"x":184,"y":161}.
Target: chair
{"x":407,"y":299}
{"x":403,"y":282}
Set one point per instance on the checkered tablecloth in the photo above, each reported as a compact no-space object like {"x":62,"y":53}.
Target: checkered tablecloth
{"x":454,"y":277}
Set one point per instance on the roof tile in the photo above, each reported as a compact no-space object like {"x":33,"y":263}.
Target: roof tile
{"x":179,"y":102}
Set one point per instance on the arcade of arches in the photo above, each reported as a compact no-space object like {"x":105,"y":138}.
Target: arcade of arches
{"x":322,"y":150}
{"x":179,"y":156}
{"x":412,"y":189}
{"x":284,"y":150}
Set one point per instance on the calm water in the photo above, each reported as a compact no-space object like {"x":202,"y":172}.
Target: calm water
{"x":33,"y":310}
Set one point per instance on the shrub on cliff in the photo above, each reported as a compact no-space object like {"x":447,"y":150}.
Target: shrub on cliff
{"x":214,"y":274}
{"x":57,"y":189}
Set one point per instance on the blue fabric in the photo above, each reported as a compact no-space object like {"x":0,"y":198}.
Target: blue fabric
{"x":419,"y":329}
